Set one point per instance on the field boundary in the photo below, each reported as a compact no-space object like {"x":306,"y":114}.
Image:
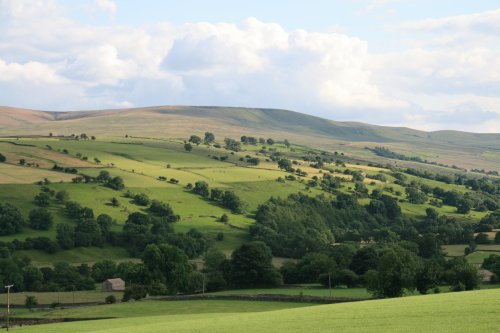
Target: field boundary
{"x":262,"y":297}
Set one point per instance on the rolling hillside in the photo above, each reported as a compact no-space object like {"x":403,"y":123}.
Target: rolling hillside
{"x":434,"y":313}
{"x":468,"y":150}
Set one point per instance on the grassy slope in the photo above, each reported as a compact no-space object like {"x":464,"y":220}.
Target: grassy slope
{"x":141,"y":161}
{"x":475,"y":150}
{"x":475,"y":311}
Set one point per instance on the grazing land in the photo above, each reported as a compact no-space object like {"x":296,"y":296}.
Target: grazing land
{"x":437,"y":313}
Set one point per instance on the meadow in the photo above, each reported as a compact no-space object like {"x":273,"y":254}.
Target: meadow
{"x":140,"y":161}
{"x":478,"y":311}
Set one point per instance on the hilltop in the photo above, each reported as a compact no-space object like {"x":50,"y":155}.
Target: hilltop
{"x":475,"y":150}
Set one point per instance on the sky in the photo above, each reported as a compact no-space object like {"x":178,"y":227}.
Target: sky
{"x":429,"y":65}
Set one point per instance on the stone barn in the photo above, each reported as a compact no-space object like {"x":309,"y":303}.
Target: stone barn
{"x":113,"y":285}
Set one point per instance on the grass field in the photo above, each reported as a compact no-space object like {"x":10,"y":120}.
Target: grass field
{"x":59,"y":297}
{"x":297,"y":291}
{"x":140,"y":161}
{"x":162,"y":308}
{"x":479,"y":311}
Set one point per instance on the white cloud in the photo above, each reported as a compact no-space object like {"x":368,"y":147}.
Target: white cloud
{"x":257,"y":64}
{"x":108,"y":6}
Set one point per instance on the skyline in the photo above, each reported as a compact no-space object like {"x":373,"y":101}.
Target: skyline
{"x":387,"y":62}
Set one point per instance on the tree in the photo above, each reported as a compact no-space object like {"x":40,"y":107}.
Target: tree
{"x":462,"y":275}
{"x":114,"y":202}
{"x":209,"y":138}
{"x":2,"y":158}
{"x":396,"y":271}
{"x":103,"y":176}
{"x":251,"y":266}
{"x":110,"y":299}
{"x":188,"y":147}
{"x":286,"y":143}
{"x":415,"y":196}
{"x":428,"y":276}
{"x":116,"y":183}
{"x":270,"y":141}
{"x":285,"y":164}
{"x":11,"y":220}
{"x":62,"y":196}
{"x":42,"y":199}
{"x":73,"y":209}
{"x":104,"y":269}
{"x":142,"y":199}
{"x":463,"y":206}
{"x":65,"y":236}
{"x":230,"y":200}
{"x":312,"y":265}
{"x":168,"y":265}
{"x":195,"y":139}
{"x":40,"y":219}
{"x":201,"y":188}
{"x":30,"y":302}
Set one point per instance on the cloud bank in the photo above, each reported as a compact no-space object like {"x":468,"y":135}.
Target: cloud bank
{"x":49,"y":61}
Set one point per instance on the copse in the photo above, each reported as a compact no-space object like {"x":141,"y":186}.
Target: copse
{"x":209,"y":138}
{"x":40,"y":219}
{"x":11,"y":219}
{"x":194,"y":139}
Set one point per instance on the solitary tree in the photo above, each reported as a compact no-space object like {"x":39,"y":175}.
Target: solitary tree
{"x":40,"y":219}
{"x":188,"y":147}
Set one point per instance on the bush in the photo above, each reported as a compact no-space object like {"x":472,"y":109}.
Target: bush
{"x":111,"y":299}
{"x":135,"y":292}
{"x":40,"y":219}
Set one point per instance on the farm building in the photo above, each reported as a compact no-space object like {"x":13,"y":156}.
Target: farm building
{"x":486,"y":275}
{"x":113,"y":285}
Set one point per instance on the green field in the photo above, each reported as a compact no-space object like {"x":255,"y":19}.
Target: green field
{"x":298,"y":291}
{"x":60,"y":297}
{"x":141,"y":161}
{"x":478,"y":312}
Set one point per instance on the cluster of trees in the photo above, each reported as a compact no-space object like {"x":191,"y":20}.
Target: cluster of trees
{"x":384,"y":152}
{"x":300,"y":224}
{"x":386,"y":269}
{"x":115,"y":183}
{"x":226,"y":198}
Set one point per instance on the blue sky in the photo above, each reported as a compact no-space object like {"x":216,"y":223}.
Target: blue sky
{"x":423,"y":64}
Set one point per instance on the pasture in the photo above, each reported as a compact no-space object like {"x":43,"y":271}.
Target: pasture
{"x":478,"y":311}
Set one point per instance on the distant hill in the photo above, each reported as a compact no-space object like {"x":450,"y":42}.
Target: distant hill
{"x":180,"y":121}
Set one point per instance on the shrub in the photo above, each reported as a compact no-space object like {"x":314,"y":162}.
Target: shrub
{"x":111,"y":299}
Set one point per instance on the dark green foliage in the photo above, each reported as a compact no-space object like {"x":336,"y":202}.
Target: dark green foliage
{"x":42,"y":199}
{"x":195,"y":139}
{"x":428,"y":276}
{"x":65,"y":236}
{"x":232,"y":201}
{"x":141,"y":199}
{"x":308,"y":269}
{"x":110,"y":299}
{"x":102,"y":270}
{"x":209,"y":138}
{"x":88,"y":233}
{"x":285,"y":164}
{"x":188,"y":147}
{"x":164,"y":210}
{"x":135,"y":292}
{"x":201,"y":188}
{"x":300,"y":224}
{"x":462,"y":275}
{"x":103,"y":176}
{"x":2,"y":158}
{"x":492,"y":263}
{"x":30,"y":302}
{"x":40,"y":219}
{"x":232,"y":144}
{"x":415,"y":196}
{"x":251,"y":266}
{"x":396,"y":271}
{"x":62,"y":196}
{"x":168,"y":265}
{"x":11,"y":220}
{"x":116,"y":183}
